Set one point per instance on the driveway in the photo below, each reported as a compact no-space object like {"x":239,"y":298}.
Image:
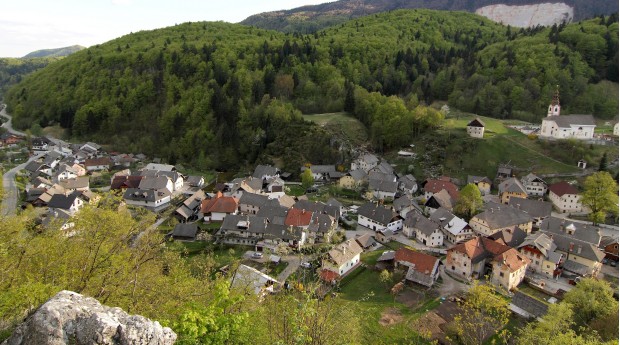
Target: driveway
{"x":449,"y":286}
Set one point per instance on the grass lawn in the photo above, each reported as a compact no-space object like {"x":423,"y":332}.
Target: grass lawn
{"x":539,"y":295}
{"x":295,"y":190}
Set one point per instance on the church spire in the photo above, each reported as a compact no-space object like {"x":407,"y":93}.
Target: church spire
{"x":554,"y":107}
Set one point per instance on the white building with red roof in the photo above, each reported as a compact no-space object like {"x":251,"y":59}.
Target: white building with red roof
{"x":565,"y":197}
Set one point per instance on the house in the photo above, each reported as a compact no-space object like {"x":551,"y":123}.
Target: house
{"x":482,"y":182}
{"x":35,"y":168}
{"x":175,"y":178}
{"x":512,"y":237}
{"x":475,"y":128}
{"x":79,"y":170}
{"x":298,"y":217}
{"x":508,"y":269}
{"x":527,"y":306}
{"x":97,"y":164}
{"x":125,"y":181}
{"x":90,"y":147}
{"x":275,"y":234}
{"x":250,"y":280}
{"x":156,"y":182}
{"x":511,"y":188}
{"x":41,"y":144}
{"x":534,"y":185}
{"x":504,"y":171}
{"x":424,"y":230}
{"x":404,"y":205}
{"x":331,"y":209}
{"x":383,"y":168}
{"x":440,"y":199}
{"x":408,"y":184}
{"x":382,"y":189}
{"x":537,"y":210}
{"x":160,"y":167}
{"x":331,"y":205}
{"x":421,"y":268}
{"x":241,"y":229}
{"x":455,"y":229}
{"x":185,"y":232}
{"x":433,"y":186}
{"x":215,"y":209}
{"x":7,"y":139}
{"x":240,"y":186}
{"x":365,"y":241}
{"x":64,"y":172}
{"x":274,"y":213}
{"x":70,"y":203}
{"x":321,"y":228}
{"x":155,"y":200}
{"x":195,"y":181}
{"x":540,"y":249}
{"x":323,"y":172}
{"x":75,"y":184}
{"x":264,"y":172}
{"x":189,"y":209}
{"x":274,"y":186}
{"x":565,"y":197}
{"x":365,"y":162}
{"x":378,"y":218}
{"x":342,"y":259}
{"x":58,"y":219}
{"x":353,"y":179}
{"x":497,"y":217}
{"x":250,"y":203}
{"x":609,"y":245}
{"x":556,"y":126}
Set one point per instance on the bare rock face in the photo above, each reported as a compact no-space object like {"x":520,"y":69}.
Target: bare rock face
{"x":528,"y":15}
{"x":70,"y":318}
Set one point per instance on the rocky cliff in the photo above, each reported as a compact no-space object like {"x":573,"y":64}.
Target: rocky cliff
{"x":70,"y":318}
{"x":528,"y":15}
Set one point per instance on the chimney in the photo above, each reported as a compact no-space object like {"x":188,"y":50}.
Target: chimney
{"x":579,"y":249}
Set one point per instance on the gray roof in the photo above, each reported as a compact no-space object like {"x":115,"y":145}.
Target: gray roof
{"x":387,"y":256}
{"x":383,"y":186}
{"x":264,"y":170}
{"x":384,"y":167}
{"x":333,"y":202}
{"x":530,"y":304}
{"x":418,"y":221}
{"x":565,"y":121}
{"x":188,"y":230}
{"x":321,"y":169}
{"x":588,"y":250}
{"x":365,"y":240}
{"x":51,"y":157}
{"x":75,"y":183}
{"x":161,"y":167}
{"x":377,"y":213}
{"x":512,"y":237}
{"x":252,"y":199}
{"x":194,"y":180}
{"x":145,"y":194}
{"x":284,"y":232}
{"x":231,"y":221}
{"x":377,"y":175}
{"x":154,"y":183}
{"x":419,"y":277}
{"x":475,"y":123}
{"x":540,"y":241}
{"x":34,"y":166}
{"x":442,"y":198}
{"x":321,"y":223}
{"x":63,"y":201}
{"x":369,"y":158}
{"x":530,"y":178}
{"x":535,"y":208}
{"x":442,"y":216}
{"x":583,"y":232}
{"x":402,"y":202}
{"x":477,"y":179}
{"x":275,"y":213}
{"x":358,"y":175}
{"x":254,"y":183}
{"x":511,"y":185}
{"x":503,"y":216}
{"x":407,"y":181}
{"x":575,"y":267}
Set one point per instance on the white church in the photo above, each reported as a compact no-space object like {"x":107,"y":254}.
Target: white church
{"x":555,"y":126}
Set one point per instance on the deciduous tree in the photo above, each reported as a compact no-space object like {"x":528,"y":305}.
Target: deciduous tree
{"x":600,"y":196}
{"x":469,"y":202}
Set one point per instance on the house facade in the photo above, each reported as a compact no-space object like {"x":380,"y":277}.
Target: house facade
{"x":497,"y":217}
{"x":475,"y":128}
{"x":534,"y":185}
{"x":342,"y":258}
{"x":540,"y":249}
{"x":511,"y":188}
{"x":556,"y":126}
{"x":482,"y":182}
{"x":423,"y":230}
{"x":508,"y":269}
{"x":565,"y":197}
{"x":379,"y":218}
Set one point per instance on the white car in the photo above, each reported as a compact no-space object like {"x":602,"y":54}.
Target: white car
{"x":257,"y":255}
{"x":306,"y":265}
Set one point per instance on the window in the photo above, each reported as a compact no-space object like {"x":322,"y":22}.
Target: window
{"x":501,"y":274}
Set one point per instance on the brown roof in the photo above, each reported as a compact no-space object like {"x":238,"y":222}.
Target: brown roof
{"x":329,"y":276}
{"x":512,"y":259}
{"x":562,"y":188}
{"x":298,"y":217}
{"x":435,"y":186}
{"x":222,"y":204}
{"x":345,"y":251}
{"x":479,"y":248}
{"x":97,"y":161}
{"x":424,"y":263}
{"x":124,"y":181}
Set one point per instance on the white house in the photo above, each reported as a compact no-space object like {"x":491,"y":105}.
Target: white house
{"x":475,"y":128}
{"x":70,"y":203}
{"x":455,"y":229}
{"x":151,"y":199}
{"x":156,"y":182}
{"x":534,"y":185}
{"x":97,"y":164}
{"x":556,"y":126}
{"x":565,"y":197}
{"x":365,"y":162}
{"x":424,"y":230}
{"x":342,"y":258}
{"x":379,"y":218}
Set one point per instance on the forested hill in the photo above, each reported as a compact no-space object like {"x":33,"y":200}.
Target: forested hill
{"x":218,"y":94}
{"x":308,"y":19}
{"x":56,"y":52}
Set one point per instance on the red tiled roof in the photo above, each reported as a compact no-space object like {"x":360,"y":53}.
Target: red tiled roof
{"x":97,"y":161}
{"x":512,"y":259}
{"x":480,"y":247}
{"x":435,"y":186}
{"x":297,"y":217}
{"x":124,"y":181}
{"x":329,"y":276}
{"x":562,"y":188}
{"x":424,"y":263}
{"x":221,"y":204}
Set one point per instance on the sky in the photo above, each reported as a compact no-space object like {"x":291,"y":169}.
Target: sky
{"x":29,"y":25}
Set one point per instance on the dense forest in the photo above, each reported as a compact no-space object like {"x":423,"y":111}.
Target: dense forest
{"x":218,"y":95}
{"x":308,"y":19}
{"x":13,"y":70}
{"x":54,"y":52}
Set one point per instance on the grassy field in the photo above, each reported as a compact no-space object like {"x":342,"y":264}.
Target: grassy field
{"x":341,"y":124}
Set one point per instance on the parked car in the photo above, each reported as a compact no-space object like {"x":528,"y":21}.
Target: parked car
{"x":306,"y":265}
{"x":257,"y":255}
{"x":613,"y":263}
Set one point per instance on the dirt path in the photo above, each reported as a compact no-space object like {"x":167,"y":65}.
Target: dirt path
{"x":449,"y":285}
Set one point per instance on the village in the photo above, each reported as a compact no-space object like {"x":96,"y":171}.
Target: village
{"x":343,"y":225}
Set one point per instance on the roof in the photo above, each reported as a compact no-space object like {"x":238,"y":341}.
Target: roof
{"x":418,"y":221}
{"x":478,"y":179}
{"x":219,"y":204}
{"x":384,"y":167}
{"x":423,"y":263}
{"x":511,"y":237}
{"x":194,"y":180}
{"x":577,"y":247}
{"x":249,"y":278}
{"x":314,"y":206}
{"x":328,"y":276}
{"x":75,"y":183}
{"x":298,"y":217}
{"x":566,"y":121}
{"x":475,"y":123}
{"x":275,"y":213}
{"x":284,"y":232}
{"x":408,"y":181}
{"x":511,"y":259}
{"x":377,"y":175}
{"x":344,"y":252}
{"x":575,"y":267}
{"x":152,"y":182}
{"x":383,"y":186}
{"x":97,"y":162}
{"x":402,"y":202}
{"x":562,"y":188}
{"x":387,"y":256}
{"x":321,"y":223}
{"x":233,"y":221}
{"x":584,"y":232}
{"x":530,"y":304}
{"x":124,"y":181}
{"x":358,"y":175}
{"x":368,"y":158}
{"x":480,"y":248}
{"x":187,"y":230}
{"x":63,"y":201}
{"x":365,"y":240}
{"x":540,"y":241}
{"x":161,"y":167}
{"x":376,"y":213}
{"x":511,"y":185}
{"x":607,"y":240}
{"x":442,"y":198}
{"x":531,"y":178}
{"x":534,"y":208}
{"x":286,"y":201}
{"x":434,"y":186}
{"x":333,"y":202}
{"x":264,"y":170}
{"x":146,"y":194}
{"x":321,"y":169}
{"x":253,"y":199}
{"x":501,"y":216}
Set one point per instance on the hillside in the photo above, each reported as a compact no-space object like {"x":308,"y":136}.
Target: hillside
{"x":223,"y":95}
{"x":13,"y":70}
{"x":316,"y":17}
{"x":65,"y":51}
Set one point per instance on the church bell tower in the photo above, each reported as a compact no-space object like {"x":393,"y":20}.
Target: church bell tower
{"x":554,"y":107}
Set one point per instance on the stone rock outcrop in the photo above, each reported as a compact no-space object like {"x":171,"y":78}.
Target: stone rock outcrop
{"x":525,"y":16}
{"x":70,"y":318}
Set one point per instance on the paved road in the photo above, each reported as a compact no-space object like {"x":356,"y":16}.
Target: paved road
{"x":293,"y":264}
{"x":10,"y":197}
{"x":9,"y":124}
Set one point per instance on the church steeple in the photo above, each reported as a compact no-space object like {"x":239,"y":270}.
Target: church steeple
{"x":554,"y":107}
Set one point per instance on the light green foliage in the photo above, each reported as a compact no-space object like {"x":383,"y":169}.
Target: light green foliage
{"x":306,"y":178}
{"x":591,"y":300}
{"x":600,"y":195}
{"x":469,"y":202}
